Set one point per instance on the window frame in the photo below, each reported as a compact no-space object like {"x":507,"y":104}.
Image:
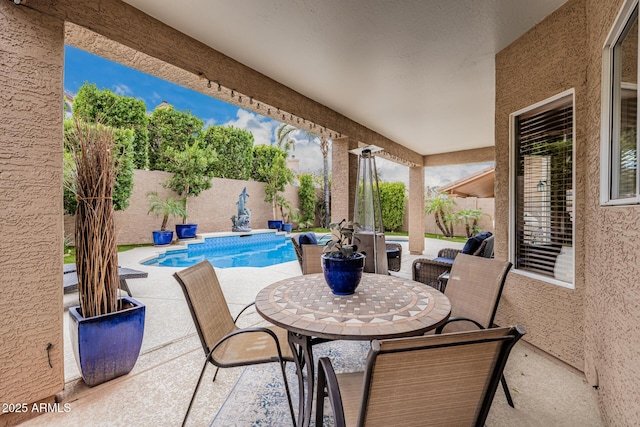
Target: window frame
{"x":513,"y":211}
{"x":608,"y":99}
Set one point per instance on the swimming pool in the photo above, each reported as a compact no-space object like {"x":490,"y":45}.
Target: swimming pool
{"x":246,"y":250}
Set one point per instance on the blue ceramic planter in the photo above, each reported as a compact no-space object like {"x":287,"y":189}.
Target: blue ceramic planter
{"x":186,"y":231}
{"x":107,"y":346}
{"x":274,"y":224}
{"x":161,"y":238}
{"x":287,"y":227}
{"x":343,"y":274}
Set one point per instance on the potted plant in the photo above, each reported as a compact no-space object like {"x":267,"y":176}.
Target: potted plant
{"x":106,"y":331}
{"x":276,"y":176}
{"x":191,"y":176}
{"x":170,"y":206}
{"x":341,"y":263}
{"x":285,"y":212}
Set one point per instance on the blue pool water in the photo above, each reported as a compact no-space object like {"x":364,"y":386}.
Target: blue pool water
{"x":249,"y":250}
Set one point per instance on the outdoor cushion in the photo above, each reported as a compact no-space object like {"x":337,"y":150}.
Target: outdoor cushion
{"x":308,"y":239}
{"x":442,"y":259}
{"x":474,"y":242}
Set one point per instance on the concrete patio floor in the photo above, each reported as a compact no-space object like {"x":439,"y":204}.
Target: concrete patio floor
{"x":157,"y":391}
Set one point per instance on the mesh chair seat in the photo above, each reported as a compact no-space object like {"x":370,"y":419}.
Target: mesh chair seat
{"x":251,"y":348}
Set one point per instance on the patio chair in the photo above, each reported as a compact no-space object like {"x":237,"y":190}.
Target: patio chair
{"x":429,"y":271}
{"x":447,"y":379}
{"x":224,"y":344}
{"x":308,"y":252}
{"x":474,"y":288}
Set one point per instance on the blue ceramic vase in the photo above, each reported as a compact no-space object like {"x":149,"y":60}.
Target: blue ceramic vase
{"x":107,"y":346}
{"x":161,"y":238}
{"x":186,"y":231}
{"x":343,"y":274}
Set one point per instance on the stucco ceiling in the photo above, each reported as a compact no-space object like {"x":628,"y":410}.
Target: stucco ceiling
{"x":420,"y":72}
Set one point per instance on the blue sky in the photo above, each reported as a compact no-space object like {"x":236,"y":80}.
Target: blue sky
{"x":81,"y":67}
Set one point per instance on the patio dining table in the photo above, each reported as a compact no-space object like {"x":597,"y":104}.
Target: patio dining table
{"x":382,"y":307}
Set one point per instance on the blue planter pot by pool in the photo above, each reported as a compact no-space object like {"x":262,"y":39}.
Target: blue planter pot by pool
{"x":343,"y":274}
{"x":287,"y":227}
{"x":161,"y":238}
{"x":186,"y":231}
{"x":107,"y":346}
{"x":274,"y":224}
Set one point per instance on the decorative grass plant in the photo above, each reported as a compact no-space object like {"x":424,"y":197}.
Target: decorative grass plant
{"x":93,"y":147}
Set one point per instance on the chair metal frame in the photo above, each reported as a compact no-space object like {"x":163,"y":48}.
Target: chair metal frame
{"x":209,"y":351}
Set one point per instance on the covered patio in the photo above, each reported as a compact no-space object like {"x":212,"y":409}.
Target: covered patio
{"x":547,"y":51}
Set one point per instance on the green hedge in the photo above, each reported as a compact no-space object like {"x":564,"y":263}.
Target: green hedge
{"x":392,"y":201}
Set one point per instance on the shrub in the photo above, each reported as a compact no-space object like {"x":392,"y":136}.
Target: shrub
{"x":307,"y":194}
{"x":234,"y":148}
{"x":392,"y":202}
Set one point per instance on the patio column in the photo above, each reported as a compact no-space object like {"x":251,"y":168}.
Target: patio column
{"x":344,"y":170}
{"x":416,"y":210}
{"x":31,"y":84}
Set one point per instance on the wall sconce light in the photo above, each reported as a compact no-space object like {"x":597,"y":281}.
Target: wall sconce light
{"x":541,"y":185}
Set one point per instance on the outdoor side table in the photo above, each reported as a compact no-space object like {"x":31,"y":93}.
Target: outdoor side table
{"x":382,"y":307}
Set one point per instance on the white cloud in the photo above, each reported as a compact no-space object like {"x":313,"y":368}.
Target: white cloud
{"x":122,"y":89}
{"x":261,"y":127}
{"x":209,"y":122}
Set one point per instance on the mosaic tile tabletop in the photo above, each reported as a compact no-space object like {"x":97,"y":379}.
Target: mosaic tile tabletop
{"x":382,"y":307}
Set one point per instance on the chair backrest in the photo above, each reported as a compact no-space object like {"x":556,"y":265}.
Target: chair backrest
{"x":206,"y":302}
{"x":447,"y":379}
{"x":297,"y":248}
{"x":474,"y":288}
{"x":486,"y":248}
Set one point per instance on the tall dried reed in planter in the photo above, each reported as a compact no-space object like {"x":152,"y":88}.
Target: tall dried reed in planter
{"x":95,"y":238}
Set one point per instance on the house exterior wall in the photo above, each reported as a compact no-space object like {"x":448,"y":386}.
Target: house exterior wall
{"x":612,"y":299}
{"x":596,"y":326}
{"x":31,"y":48}
{"x":211,"y":210}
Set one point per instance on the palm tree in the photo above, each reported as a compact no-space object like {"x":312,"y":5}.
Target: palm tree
{"x":286,"y":142}
{"x":283,"y":137}
{"x":441,"y":208}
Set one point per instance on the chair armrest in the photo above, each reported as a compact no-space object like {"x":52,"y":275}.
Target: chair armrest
{"x":458,"y":319}
{"x":328,"y":387}
{"x":448,"y":253}
{"x":427,"y":271}
{"x":242,"y":311}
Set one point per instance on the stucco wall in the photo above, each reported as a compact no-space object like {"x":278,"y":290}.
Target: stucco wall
{"x":612,"y":299}
{"x":547,"y":60}
{"x":211,"y":210}
{"x":31,"y":52}
{"x":595,"y":327}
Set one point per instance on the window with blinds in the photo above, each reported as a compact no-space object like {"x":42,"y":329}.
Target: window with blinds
{"x":543,"y":189}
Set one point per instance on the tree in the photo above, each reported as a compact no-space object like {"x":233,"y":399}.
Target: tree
{"x":122,"y":112}
{"x":284,"y":141}
{"x":277,"y":176}
{"x":234,"y":149}
{"x":190,"y":167}
{"x":392,"y":203}
{"x":441,"y":207}
{"x":307,"y":194}
{"x":170,"y":128}
{"x":263,"y":157}
{"x":124,"y":168}
{"x":470,"y":219}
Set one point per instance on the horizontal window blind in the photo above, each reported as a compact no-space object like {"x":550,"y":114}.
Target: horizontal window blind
{"x":544,"y":189}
